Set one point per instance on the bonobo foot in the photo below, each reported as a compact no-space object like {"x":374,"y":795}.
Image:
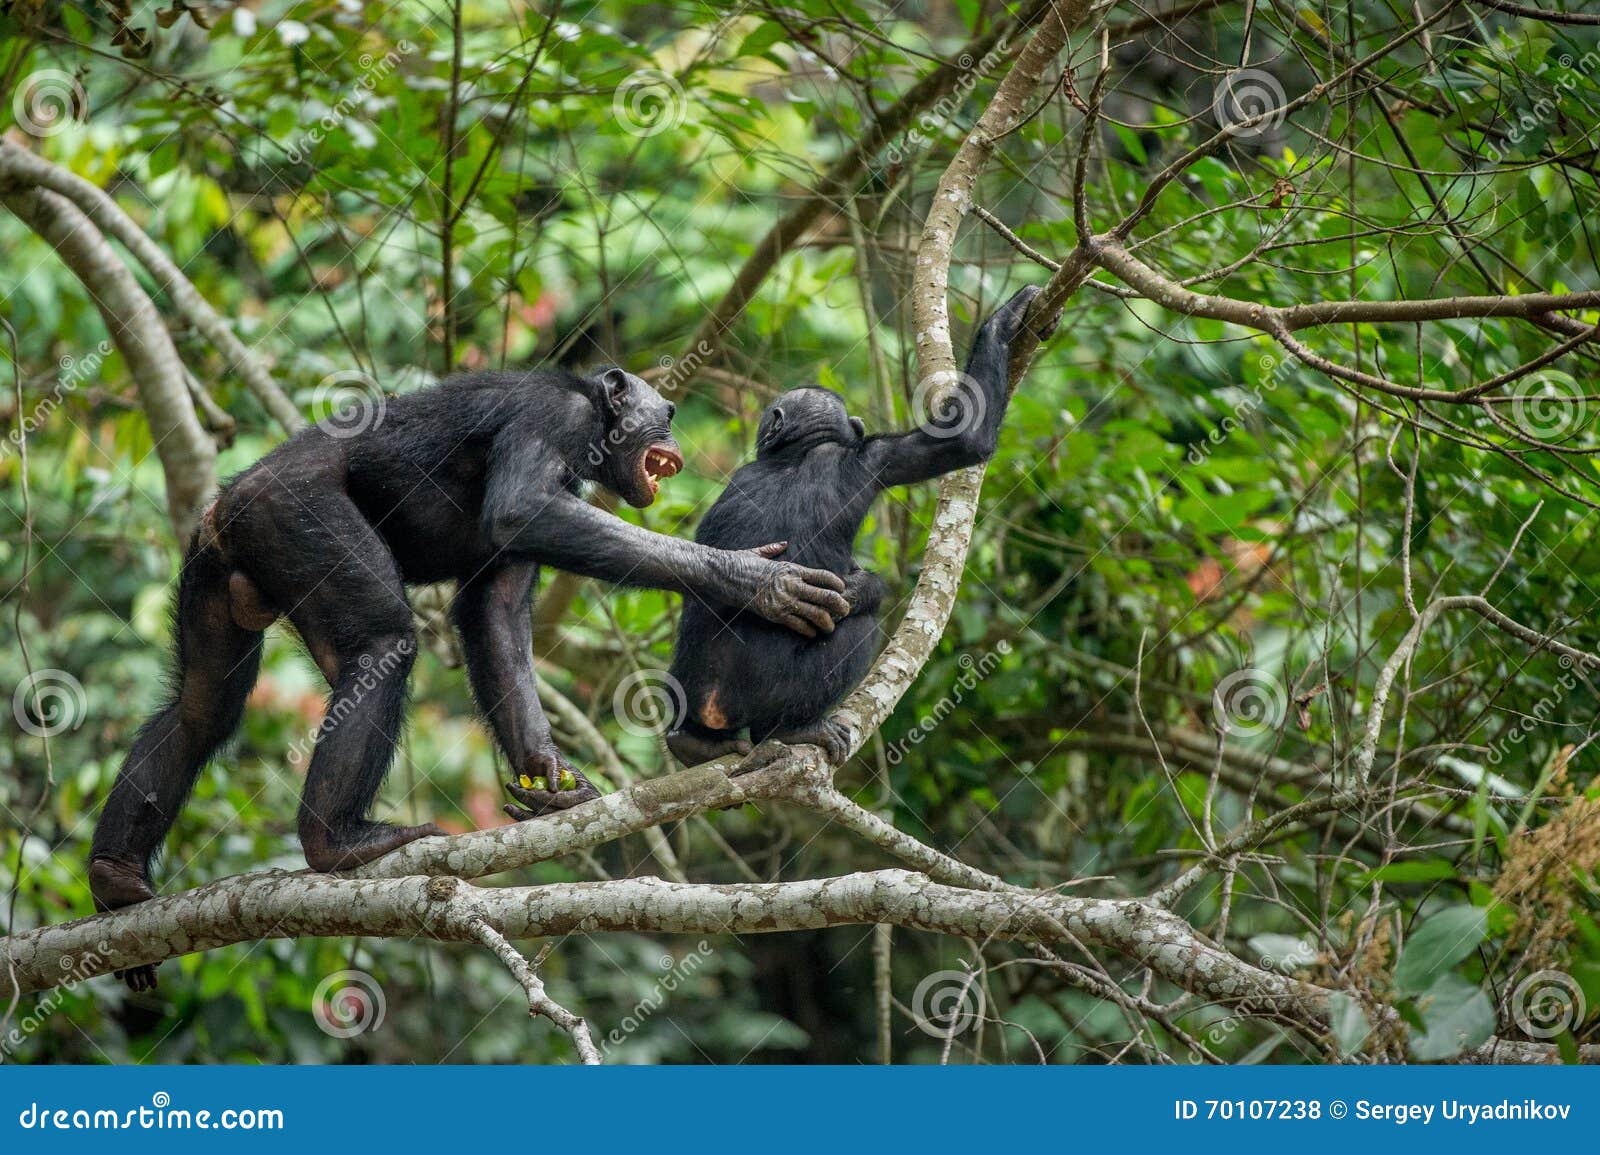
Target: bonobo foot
{"x":328,"y":852}
{"x":546,"y":784}
{"x":692,"y":749}
{"x":115,"y":885}
{"x":833,"y":737}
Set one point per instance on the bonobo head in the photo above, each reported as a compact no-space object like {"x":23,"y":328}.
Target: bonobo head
{"x":807,"y":417}
{"x":637,"y":449}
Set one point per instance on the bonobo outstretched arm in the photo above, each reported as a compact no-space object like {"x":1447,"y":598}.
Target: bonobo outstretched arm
{"x":528,"y":513}
{"x":967,"y":430}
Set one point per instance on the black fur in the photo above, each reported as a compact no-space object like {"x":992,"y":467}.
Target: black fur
{"x":813,"y":480}
{"x":476,"y":480}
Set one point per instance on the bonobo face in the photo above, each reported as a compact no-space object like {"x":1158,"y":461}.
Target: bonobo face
{"x":810,"y":416}
{"x":638,"y":449}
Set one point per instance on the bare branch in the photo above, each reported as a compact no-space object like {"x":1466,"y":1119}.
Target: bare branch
{"x":539,"y":1000}
{"x":187,"y":453}
{"x":24,"y":168}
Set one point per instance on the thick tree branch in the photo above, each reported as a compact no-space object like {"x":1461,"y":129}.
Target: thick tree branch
{"x":187,"y":453}
{"x":265,"y":906}
{"x":933,"y":599}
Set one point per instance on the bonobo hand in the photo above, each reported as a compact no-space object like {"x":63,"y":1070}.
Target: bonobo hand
{"x":807,"y":601}
{"x":1006,"y":321}
{"x":547,"y":783}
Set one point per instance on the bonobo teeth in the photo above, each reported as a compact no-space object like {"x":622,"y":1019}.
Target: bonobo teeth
{"x":659,"y":463}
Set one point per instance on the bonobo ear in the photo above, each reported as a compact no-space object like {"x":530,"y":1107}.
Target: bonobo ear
{"x":859,"y":426}
{"x":614,"y":385}
{"x":771,"y":427}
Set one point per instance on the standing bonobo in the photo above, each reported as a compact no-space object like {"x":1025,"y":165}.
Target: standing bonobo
{"x":815,"y":476}
{"x":476,"y":480}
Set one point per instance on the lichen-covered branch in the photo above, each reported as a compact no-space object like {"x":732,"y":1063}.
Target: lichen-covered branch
{"x":933,"y":599}
{"x":282,"y":905}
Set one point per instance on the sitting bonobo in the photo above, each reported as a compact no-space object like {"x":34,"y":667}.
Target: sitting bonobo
{"x":815,"y":476}
{"x":476,"y":480}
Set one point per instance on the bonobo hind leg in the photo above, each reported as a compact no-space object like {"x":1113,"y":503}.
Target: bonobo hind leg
{"x":217,"y":661}
{"x":353,"y":616}
{"x":495,"y":625}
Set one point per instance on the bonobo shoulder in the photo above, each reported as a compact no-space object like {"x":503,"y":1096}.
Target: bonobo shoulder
{"x":531,"y":380}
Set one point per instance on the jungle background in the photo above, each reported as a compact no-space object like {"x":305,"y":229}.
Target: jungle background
{"x":1204,"y":560}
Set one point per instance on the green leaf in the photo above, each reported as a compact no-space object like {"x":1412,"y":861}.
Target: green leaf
{"x":764,"y":37}
{"x":1443,"y":939}
{"x":1283,"y":952}
{"x":1456,"y":1016}
{"x":1348,"y":1022}
{"x":1423,"y":870}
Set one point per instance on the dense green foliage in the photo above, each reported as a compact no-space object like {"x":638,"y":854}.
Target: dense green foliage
{"x":1175,"y":500}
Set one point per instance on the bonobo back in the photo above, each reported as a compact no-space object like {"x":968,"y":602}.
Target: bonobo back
{"x":815,"y":476}
{"x":807,"y":500}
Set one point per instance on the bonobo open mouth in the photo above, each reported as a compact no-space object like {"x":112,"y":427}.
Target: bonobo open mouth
{"x":661,"y":460}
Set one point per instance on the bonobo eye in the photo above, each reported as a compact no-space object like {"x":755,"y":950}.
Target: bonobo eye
{"x":672,"y":411}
